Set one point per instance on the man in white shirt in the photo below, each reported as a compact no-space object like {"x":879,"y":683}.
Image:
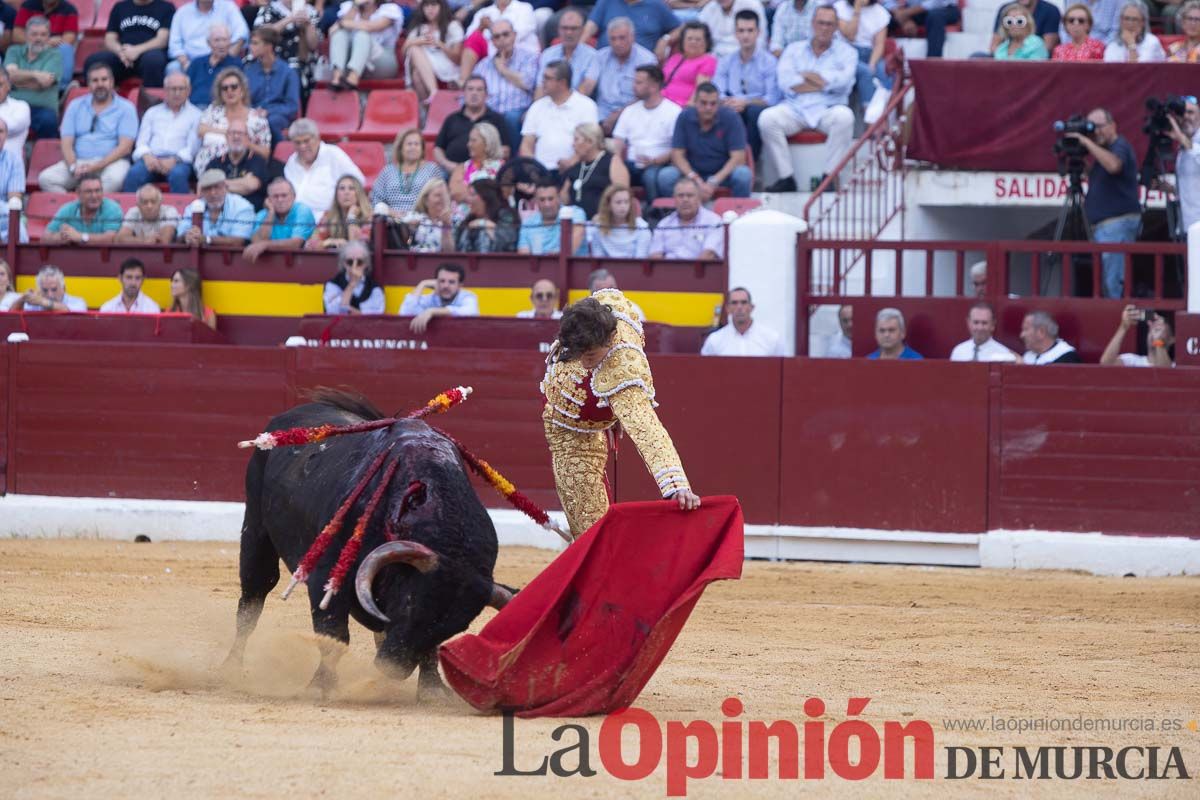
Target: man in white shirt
{"x":841,"y":344}
{"x":719,"y":16}
{"x":167,"y":140}
{"x":51,"y":294}
{"x":1187,"y":162}
{"x":315,"y":168}
{"x":16,"y":114}
{"x":149,"y":221}
{"x":742,"y":336}
{"x":131,"y":300}
{"x":548,"y":133}
{"x":1039,"y":333}
{"x":645,"y":129}
{"x":981,"y":324}
{"x":544,"y":296}
{"x":815,"y":76}
{"x":691,"y":231}
{"x":447,"y":298}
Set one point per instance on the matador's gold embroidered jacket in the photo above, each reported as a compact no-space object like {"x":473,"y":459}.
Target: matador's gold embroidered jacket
{"x":620,"y":389}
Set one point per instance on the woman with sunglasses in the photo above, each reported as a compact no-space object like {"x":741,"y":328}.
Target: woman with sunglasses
{"x":1019,"y":42}
{"x":230,"y":102}
{"x":1134,"y":44}
{"x":352,"y":291}
{"x":1188,"y":50}
{"x":1080,"y":46}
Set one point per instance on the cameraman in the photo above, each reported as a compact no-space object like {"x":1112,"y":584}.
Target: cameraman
{"x":1112,"y":206}
{"x":1187,"y":164}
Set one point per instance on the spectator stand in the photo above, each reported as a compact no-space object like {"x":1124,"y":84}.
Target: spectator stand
{"x":259,"y":303}
{"x":927,"y":282}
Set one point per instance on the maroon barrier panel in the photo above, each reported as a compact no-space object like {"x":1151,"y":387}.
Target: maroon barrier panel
{"x":136,"y":420}
{"x":485,"y":333}
{"x":892,"y":445}
{"x":934,"y":325}
{"x":929,"y":446}
{"x":1187,"y":340}
{"x":96,"y":327}
{"x":8,"y":390}
{"x":724,"y":417}
{"x":988,"y":115}
{"x":1096,"y":449}
{"x":501,"y":422}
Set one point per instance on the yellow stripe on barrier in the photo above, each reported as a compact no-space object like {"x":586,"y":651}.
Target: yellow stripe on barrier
{"x":263,"y":299}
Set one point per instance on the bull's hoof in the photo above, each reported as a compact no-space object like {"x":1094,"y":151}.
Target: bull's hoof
{"x":434,"y":694}
{"x":323,"y":682}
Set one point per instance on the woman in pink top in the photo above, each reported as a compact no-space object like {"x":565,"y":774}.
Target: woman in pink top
{"x":694,"y":65}
{"x":1079,"y":46}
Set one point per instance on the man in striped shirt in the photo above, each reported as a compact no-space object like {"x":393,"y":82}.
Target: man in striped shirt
{"x":511,"y":76}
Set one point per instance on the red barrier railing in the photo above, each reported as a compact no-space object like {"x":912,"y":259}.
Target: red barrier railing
{"x":910,"y":271}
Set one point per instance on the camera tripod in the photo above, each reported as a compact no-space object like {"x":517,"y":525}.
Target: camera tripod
{"x":1072,"y":221}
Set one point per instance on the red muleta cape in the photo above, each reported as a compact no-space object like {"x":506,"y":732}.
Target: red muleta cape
{"x":587,"y":633}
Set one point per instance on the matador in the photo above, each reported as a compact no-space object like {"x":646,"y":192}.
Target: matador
{"x":597,"y":375}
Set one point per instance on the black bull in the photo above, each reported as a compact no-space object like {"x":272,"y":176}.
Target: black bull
{"x":412,"y":598}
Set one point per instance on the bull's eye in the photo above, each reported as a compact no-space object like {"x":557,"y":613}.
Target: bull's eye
{"x":416,"y":495}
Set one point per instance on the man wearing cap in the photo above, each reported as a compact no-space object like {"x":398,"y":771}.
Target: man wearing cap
{"x":228,"y":219}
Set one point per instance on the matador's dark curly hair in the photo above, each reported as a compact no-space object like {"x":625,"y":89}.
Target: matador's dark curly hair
{"x":585,"y":325}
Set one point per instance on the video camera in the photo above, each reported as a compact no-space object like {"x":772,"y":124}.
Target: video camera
{"x":1157,"y":128}
{"x":1069,"y":150}
{"x":1159,"y":113}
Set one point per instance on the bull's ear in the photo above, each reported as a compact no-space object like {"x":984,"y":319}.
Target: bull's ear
{"x":501,"y":595}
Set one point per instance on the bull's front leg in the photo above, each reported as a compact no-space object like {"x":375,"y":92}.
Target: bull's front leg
{"x":333,"y":631}
{"x":429,"y":683}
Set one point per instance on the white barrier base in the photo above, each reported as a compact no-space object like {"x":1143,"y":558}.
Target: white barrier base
{"x":33,"y":516}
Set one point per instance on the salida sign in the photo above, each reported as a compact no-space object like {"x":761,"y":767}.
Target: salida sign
{"x":854,"y":749}
{"x":946,"y":188}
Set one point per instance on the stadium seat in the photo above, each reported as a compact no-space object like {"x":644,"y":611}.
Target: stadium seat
{"x":442,"y":104}
{"x":179,"y":202}
{"x":85,"y":48}
{"x":664,"y":202}
{"x":126,"y":200}
{"x":283,"y":151}
{"x":87,"y":16}
{"x":369,"y":156}
{"x":387,"y":114}
{"x":807,"y":137}
{"x":40,"y":208}
{"x":103,"y":11}
{"x":336,"y":113}
{"x":46,"y":152}
{"x":77,"y":91}
{"x":739,"y":205}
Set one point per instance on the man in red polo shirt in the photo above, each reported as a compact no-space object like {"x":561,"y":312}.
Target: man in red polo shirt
{"x":64,"y":29}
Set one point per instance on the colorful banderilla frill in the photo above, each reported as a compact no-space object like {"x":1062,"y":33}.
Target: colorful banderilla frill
{"x":438,"y":405}
{"x":351,"y":548}
{"x":507,"y":490}
{"x":301,"y":436}
{"x":321,"y":543}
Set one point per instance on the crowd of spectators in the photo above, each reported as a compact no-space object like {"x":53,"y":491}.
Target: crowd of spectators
{"x":637,"y":94}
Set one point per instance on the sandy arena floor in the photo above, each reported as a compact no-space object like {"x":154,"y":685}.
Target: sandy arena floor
{"x":109,"y":687}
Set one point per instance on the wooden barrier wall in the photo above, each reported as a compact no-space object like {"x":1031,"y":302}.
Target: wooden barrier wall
{"x":929,"y":446}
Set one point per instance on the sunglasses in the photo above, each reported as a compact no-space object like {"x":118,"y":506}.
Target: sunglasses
{"x":356,"y":262}
{"x":1015,"y":22}
{"x":230,"y":87}
{"x":544,"y":295}
{"x":1079,"y":20}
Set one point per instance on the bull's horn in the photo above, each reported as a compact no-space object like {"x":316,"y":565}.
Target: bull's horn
{"x":403,"y":551}
{"x":500,"y":596}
